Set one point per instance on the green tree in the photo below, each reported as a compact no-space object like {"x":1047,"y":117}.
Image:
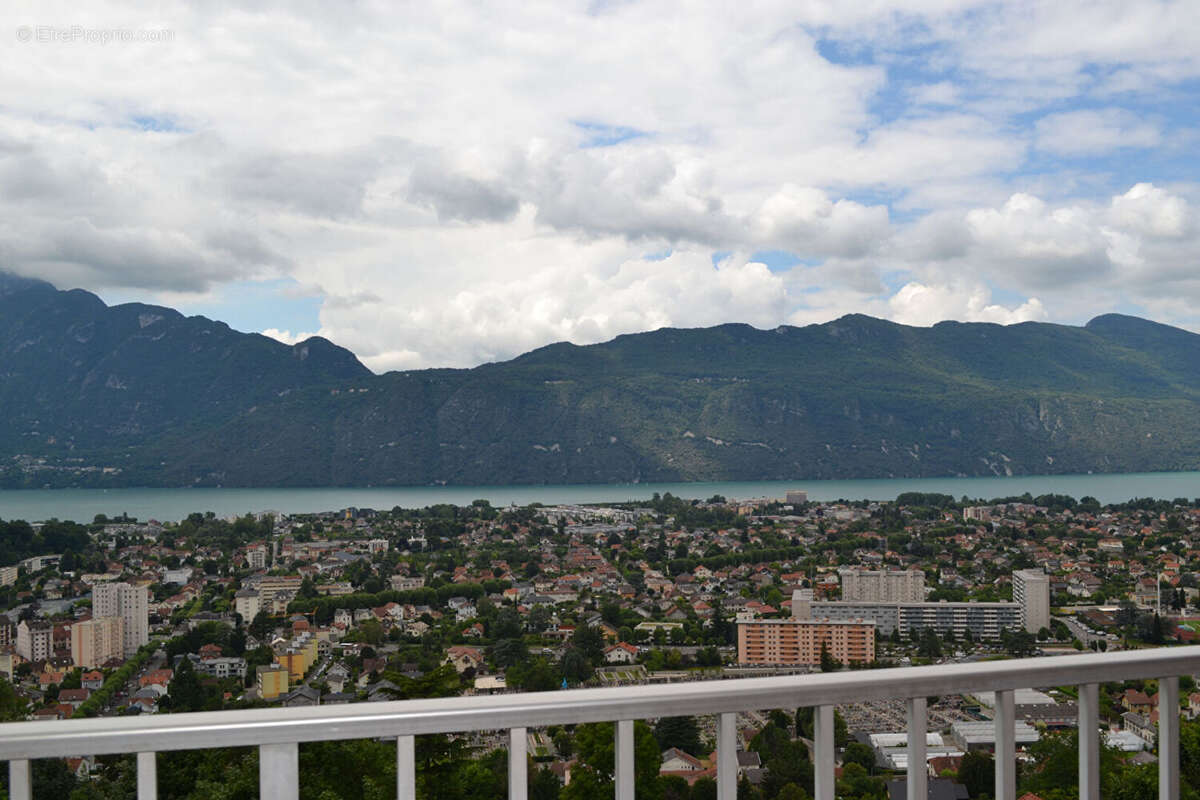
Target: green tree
{"x":544,"y":785}
{"x":704,"y":789}
{"x":185,"y":692}
{"x":828,"y":662}
{"x":978,"y":773}
{"x":859,"y":753}
{"x":681,"y":732}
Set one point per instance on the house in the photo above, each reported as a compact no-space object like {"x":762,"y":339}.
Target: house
{"x":1144,"y":726}
{"x":620,"y":653}
{"x":73,"y":697}
{"x":675,"y":761}
{"x":92,"y":680}
{"x":162,"y":677}
{"x":336,"y":677}
{"x":302,"y":696}
{"x":464,"y":658}
{"x":47,"y":678}
{"x":1136,"y":701}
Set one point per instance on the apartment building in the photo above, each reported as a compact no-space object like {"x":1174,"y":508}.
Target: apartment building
{"x":882,"y":586}
{"x":796,"y":642}
{"x":35,"y":640}
{"x":983,"y":621}
{"x":97,"y":641}
{"x":131,"y":604}
{"x":1031,"y":590}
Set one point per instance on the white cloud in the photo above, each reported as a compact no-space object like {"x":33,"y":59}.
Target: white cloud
{"x":426,"y":170}
{"x":287,"y":337}
{"x":1079,"y":133}
{"x":1151,"y":211}
{"x":919,"y":304}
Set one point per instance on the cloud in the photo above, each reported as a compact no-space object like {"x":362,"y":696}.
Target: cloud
{"x":919,"y":304}
{"x":804,"y":219}
{"x":1151,"y":211}
{"x":287,"y":337}
{"x":1082,"y":133}
{"x":465,"y":183}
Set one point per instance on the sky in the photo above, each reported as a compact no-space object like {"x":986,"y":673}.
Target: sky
{"x":453,"y":183}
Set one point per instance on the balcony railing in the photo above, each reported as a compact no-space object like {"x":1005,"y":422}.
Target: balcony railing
{"x":278,"y":732}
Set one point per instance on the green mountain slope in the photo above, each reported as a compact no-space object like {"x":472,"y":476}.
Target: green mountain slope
{"x":857,"y":397}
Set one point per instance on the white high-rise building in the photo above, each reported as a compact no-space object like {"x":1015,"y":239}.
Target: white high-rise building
{"x":256,"y":558}
{"x":1031,"y":589}
{"x":882,"y":586}
{"x":35,"y":640}
{"x":131,"y":604}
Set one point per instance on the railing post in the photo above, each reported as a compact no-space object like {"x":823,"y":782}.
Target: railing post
{"x":917,"y":764}
{"x":1006,"y":746}
{"x":1089,"y":742}
{"x":406,"y":768}
{"x":147,"y":776}
{"x":623,"y":768}
{"x":823,"y":775}
{"x":20,"y":787}
{"x":518,"y":764}
{"x":727,"y":770}
{"x":1168,"y":738}
{"x":279,"y":771}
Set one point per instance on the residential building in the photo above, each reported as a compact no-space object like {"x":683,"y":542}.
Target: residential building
{"x":8,"y":575}
{"x":403,"y":583}
{"x":271,"y":680}
{"x":35,"y":640}
{"x":97,"y":641}
{"x":177,"y":576}
{"x":795,"y":642}
{"x":882,"y":586}
{"x":1031,"y":590}
{"x":256,"y":558}
{"x":983,"y":621}
{"x":273,"y":586}
{"x":131,"y":604}
{"x":246,"y":603}
{"x":223,"y":667}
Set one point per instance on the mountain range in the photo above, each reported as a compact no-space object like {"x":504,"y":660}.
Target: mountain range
{"x":140,"y":395}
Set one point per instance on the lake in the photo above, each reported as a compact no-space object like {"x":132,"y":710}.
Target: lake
{"x":173,"y":504}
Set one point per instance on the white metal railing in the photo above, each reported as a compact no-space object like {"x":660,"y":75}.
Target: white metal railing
{"x":277,"y":732}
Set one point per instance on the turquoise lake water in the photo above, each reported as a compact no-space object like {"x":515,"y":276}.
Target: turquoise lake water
{"x":173,"y":504}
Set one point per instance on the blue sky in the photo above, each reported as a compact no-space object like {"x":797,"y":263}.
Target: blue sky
{"x":483,"y":179}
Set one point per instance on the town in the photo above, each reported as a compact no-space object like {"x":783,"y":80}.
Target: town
{"x":124,"y":616}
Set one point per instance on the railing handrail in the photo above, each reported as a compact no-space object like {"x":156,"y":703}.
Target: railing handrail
{"x":252,"y":727}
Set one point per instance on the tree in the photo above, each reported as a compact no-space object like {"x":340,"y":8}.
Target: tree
{"x":681,"y":732}
{"x":533,"y":676}
{"x":828,"y":662}
{"x":789,"y":792}
{"x":590,"y":642}
{"x":544,"y":785}
{"x":575,"y":666}
{"x":704,"y":789}
{"x":12,"y":708}
{"x":186,"y":693}
{"x":978,"y":773}
{"x":507,"y":652}
{"x":596,"y":745}
{"x":859,"y":753}
{"x":261,"y":625}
